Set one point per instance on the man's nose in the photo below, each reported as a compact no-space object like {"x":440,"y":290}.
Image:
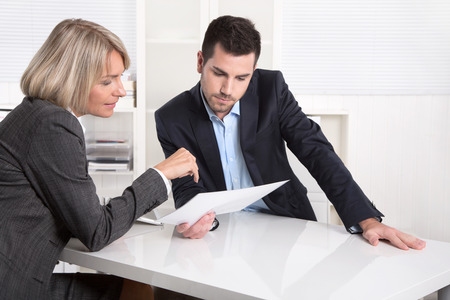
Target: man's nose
{"x":226,"y":88}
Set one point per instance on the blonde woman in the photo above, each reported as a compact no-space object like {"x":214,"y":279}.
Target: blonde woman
{"x":46,"y":193}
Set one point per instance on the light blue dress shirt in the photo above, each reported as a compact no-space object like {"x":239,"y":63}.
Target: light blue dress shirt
{"x":233,"y":164}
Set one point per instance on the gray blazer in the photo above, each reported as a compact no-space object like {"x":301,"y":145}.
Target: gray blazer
{"x":47,"y":196}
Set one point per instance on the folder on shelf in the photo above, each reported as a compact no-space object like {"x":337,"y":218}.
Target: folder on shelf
{"x":105,"y":152}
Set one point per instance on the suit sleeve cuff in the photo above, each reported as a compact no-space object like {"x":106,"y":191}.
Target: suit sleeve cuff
{"x":357,"y":229}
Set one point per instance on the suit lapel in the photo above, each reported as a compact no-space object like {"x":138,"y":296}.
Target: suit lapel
{"x":206,"y":139}
{"x":248,"y":127}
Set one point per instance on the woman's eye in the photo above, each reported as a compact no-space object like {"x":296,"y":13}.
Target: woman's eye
{"x":106,"y":82}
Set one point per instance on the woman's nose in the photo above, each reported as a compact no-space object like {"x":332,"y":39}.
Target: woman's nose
{"x":121,"y":90}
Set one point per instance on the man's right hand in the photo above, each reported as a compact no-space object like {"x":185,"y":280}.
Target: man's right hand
{"x":199,"y":229}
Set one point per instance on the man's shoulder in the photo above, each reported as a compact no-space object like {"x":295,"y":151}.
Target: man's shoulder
{"x":264,"y":80}
{"x":265,"y":76}
{"x":266,"y":73}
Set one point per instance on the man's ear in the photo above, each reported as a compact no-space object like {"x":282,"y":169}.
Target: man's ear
{"x":200,"y":61}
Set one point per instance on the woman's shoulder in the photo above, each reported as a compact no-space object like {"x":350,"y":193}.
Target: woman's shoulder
{"x":47,"y":115}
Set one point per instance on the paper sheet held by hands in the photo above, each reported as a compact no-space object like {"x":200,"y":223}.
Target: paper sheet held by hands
{"x":220,"y":202}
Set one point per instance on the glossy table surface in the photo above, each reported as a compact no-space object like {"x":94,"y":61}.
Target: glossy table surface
{"x":254,"y":255}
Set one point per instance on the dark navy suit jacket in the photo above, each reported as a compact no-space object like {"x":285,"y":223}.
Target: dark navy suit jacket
{"x":270,"y":119}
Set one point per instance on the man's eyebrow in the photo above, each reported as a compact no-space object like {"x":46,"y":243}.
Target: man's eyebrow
{"x":219,"y":70}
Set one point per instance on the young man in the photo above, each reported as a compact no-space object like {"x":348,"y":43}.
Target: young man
{"x":236,"y":122}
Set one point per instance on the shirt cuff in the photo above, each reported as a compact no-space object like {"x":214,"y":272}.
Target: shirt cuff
{"x":357,"y":229}
{"x":166,"y":181}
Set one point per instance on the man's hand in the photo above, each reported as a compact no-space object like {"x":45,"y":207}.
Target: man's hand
{"x":374,"y":231}
{"x":199,"y":229}
{"x":179,"y":164}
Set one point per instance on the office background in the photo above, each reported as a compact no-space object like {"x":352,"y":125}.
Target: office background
{"x":382,"y":68}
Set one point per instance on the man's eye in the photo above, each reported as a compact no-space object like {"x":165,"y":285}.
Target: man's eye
{"x":241,"y":78}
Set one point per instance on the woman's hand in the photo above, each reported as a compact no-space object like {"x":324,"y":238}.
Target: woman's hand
{"x":179,"y":164}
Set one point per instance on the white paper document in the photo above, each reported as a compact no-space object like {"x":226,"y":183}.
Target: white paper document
{"x":220,"y":202}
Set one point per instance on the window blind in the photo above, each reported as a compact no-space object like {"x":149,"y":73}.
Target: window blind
{"x":25,"y":24}
{"x":366,"y":46}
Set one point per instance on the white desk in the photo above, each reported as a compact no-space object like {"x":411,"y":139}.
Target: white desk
{"x":261,"y":256}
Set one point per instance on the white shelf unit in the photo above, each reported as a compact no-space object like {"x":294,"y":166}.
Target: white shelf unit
{"x":172,"y":39}
{"x":121,"y":125}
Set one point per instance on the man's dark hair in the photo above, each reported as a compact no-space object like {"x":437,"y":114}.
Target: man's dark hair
{"x":237,"y":36}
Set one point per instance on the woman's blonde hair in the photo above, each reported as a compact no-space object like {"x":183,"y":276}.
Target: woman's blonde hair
{"x":70,"y":62}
